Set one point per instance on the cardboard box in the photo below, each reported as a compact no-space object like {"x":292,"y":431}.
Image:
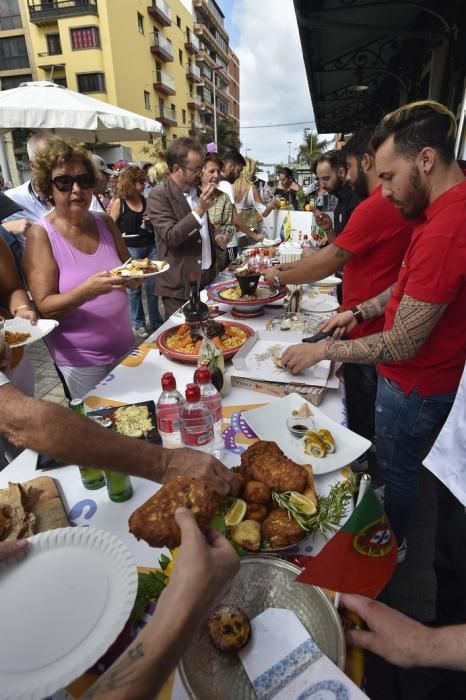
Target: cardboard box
{"x":314,"y":394}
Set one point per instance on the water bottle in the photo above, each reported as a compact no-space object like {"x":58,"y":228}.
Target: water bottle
{"x":196,"y":422}
{"x":168,"y":412}
{"x":211,"y":398}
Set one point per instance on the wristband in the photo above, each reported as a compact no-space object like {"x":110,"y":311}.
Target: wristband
{"x":357,"y":313}
{"x":20,"y":308}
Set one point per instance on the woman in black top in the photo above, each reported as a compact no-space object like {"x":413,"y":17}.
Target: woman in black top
{"x":128,"y":209}
{"x":287,"y":187}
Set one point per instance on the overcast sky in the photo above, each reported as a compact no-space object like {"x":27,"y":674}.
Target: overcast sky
{"x":274,"y":87}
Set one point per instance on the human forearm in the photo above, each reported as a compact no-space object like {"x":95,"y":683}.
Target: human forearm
{"x":59,"y":305}
{"x":314,"y":267}
{"x":445,"y":647}
{"x":19,"y":298}
{"x":375,"y":307}
{"x":240,"y":224}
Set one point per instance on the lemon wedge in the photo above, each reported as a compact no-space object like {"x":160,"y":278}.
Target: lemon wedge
{"x":235,"y":513}
{"x":302,"y":503}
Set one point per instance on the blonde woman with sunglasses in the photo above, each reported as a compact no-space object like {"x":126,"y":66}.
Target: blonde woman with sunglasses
{"x":67,"y":262}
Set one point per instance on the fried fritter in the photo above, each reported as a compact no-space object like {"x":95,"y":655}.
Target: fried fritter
{"x":256,"y":511}
{"x":229,"y":628}
{"x":155,"y":521}
{"x":264,"y":461}
{"x":256,"y":492}
{"x":278,"y":530}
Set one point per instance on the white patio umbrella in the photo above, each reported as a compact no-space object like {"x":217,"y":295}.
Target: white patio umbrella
{"x":45,"y":105}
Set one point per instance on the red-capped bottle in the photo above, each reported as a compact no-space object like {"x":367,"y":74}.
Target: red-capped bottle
{"x":168,"y":412}
{"x":211,"y":398}
{"x":196,"y":422}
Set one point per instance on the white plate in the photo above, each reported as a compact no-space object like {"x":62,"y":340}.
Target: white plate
{"x":21,"y":325}
{"x":320,"y":303}
{"x":61,"y":607}
{"x":269,"y":423}
{"x":146,"y":275}
{"x":330,"y":281}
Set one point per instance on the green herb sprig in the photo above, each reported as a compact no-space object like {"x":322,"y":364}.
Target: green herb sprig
{"x":330,"y":509}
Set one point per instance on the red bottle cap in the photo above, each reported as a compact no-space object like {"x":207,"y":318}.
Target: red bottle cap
{"x":193,"y":393}
{"x":168,"y":382}
{"x":202,"y":375}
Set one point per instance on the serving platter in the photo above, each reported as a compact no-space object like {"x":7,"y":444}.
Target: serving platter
{"x":191,"y":358}
{"x":246,"y":308}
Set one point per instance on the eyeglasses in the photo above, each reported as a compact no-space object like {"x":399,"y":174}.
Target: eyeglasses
{"x":64,"y":183}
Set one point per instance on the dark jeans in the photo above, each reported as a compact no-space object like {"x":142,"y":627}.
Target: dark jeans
{"x":404,"y":428}
{"x":135,"y":295}
{"x":361,"y":392}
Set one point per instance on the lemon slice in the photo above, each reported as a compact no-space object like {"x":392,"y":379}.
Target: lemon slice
{"x":235,"y":513}
{"x":302,"y":503}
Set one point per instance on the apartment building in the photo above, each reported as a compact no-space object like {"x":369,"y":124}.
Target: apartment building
{"x":152,"y":57}
{"x":233,"y":73}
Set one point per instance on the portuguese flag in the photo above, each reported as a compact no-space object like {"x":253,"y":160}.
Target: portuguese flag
{"x":361,"y":557}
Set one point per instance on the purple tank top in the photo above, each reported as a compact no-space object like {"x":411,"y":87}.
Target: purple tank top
{"x":98,"y":332}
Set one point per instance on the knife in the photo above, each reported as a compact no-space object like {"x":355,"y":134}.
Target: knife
{"x":318,"y":336}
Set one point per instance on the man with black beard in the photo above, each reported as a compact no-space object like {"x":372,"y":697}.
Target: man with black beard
{"x":330,"y":168}
{"x":371,"y":248}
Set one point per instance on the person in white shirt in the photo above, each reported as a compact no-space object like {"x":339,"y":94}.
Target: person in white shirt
{"x":104,"y":173}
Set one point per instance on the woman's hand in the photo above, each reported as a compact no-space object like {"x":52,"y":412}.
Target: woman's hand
{"x":221,"y":240}
{"x":102,"y":283}
{"x":28,"y":314}
{"x":341,"y":324}
{"x":297,"y":358}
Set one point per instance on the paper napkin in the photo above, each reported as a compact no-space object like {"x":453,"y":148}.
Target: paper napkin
{"x":284,"y":663}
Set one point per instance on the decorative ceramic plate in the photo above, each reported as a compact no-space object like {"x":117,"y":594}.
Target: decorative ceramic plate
{"x":43,"y":327}
{"x":191,"y":357}
{"x":265,"y":294}
{"x":62,"y":605}
{"x":261,"y":583}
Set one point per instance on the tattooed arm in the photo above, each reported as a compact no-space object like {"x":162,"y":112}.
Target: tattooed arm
{"x":344,"y":322}
{"x":202,"y":571}
{"x":314,"y":267}
{"x":413,"y":324}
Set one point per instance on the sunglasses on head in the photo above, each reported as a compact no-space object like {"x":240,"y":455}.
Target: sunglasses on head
{"x":64,"y":183}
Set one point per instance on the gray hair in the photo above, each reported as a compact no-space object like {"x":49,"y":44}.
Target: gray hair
{"x":35,"y":143}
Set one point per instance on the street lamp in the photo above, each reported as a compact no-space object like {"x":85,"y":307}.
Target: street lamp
{"x":214,"y":81}
{"x":289,"y":151}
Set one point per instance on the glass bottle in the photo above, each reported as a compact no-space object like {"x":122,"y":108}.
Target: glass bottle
{"x":91,"y":478}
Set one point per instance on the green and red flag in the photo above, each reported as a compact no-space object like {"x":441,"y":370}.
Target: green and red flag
{"x":361,"y":557}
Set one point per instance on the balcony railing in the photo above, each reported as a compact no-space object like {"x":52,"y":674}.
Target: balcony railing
{"x":192,"y":43}
{"x":209,"y":10}
{"x":161,"y":46}
{"x":164,"y":83}
{"x":166,"y":116}
{"x":203,"y":31}
{"x":13,"y":62}
{"x":195,"y":127}
{"x":193,"y":73}
{"x":195,"y":102}
{"x":160,"y":11}
{"x":45,"y":11}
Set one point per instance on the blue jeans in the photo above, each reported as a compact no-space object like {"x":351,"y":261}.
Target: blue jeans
{"x":135,"y":295}
{"x":405,"y":426}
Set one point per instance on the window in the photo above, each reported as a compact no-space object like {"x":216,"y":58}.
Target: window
{"x":60,"y":81}
{"x":91,"y":82}
{"x":10,"y":17}
{"x":13,"y":81}
{"x":190,"y":89}
{"x":53,"y":43}
{"x":13,"y":53}
{"x":183,"y":116}
{"x":178,"y":21}
{"x":188,"y":35}
{"x":85,"y":38}
{"x":180,"y":56}
{"x":140,"y":23}
{"x":175,"y":137}
{"x":146,"y":99}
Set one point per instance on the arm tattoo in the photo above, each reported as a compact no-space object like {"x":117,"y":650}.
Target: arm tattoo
{"x":413,"y":324}
{"x":124,"y":673}
{"x":375,"y":307}
{"x":342,"y":254}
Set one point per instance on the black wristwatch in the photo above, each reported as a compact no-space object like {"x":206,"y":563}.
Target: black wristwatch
{"x":357,"y":313}
{"x":276,"y":281}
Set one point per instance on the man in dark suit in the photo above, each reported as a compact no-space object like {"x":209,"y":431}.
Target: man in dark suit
{"x":184,"y":235}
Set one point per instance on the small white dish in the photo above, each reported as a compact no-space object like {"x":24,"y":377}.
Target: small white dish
{"x":319,"y":303}
{"x":330,"y":281}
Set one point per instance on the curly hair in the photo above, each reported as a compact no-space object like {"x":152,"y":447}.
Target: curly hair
{"x":126,"y":186}
{"x":57,"y":152}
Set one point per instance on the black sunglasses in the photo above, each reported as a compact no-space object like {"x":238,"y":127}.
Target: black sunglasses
{"x":64,"y":183}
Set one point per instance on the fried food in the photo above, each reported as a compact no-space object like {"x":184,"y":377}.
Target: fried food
{"x":264,"y":461}
{"x":229,"y":628}
{"x":256,"y":511}
{"x":17,"y":521}
{"x":278,"y":530}
{"x":247,"y":534}
{"x":155,"y":521}
{"x":256,"y":492}
{"x":15,"y":337}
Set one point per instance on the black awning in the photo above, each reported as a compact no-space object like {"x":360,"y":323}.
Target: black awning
{"x":365,"y":58}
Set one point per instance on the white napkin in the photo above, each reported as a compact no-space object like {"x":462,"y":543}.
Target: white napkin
{"x":284,"y":663}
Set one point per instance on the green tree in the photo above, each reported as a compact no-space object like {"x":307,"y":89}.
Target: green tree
{"x":312,"y":147}
{"x":227,"y":135}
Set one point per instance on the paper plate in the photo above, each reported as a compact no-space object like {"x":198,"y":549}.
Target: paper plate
{"x":145,"y":275}
{"x":269,"y":423}
{"x":21,"y":325}
{"x":261,"y":583}
{"x":320,"y":303}
{"x":61,"y":607}
{"x":331,"y":281}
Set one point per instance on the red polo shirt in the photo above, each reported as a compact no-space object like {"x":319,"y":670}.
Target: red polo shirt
{"x":434,"y":271}
{"x":377,"y":236}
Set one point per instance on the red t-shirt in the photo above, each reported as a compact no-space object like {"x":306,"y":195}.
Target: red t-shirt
{"x":434,"y":271}
{"x":378,"y":237}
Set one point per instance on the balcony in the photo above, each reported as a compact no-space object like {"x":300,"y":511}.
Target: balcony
{"x":195,"y":127}
{"x":209,"y":11}
{"x":164,"y":83}
{"x":203,"y":31}
{"x":195,"y":102}
{"x":49,"y":11}
{"x":161,"y":46}
{"x":193,"y":74}
{"x":192,"y":43}
{"x":166,"y":116}
{"x":161,"y":12}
